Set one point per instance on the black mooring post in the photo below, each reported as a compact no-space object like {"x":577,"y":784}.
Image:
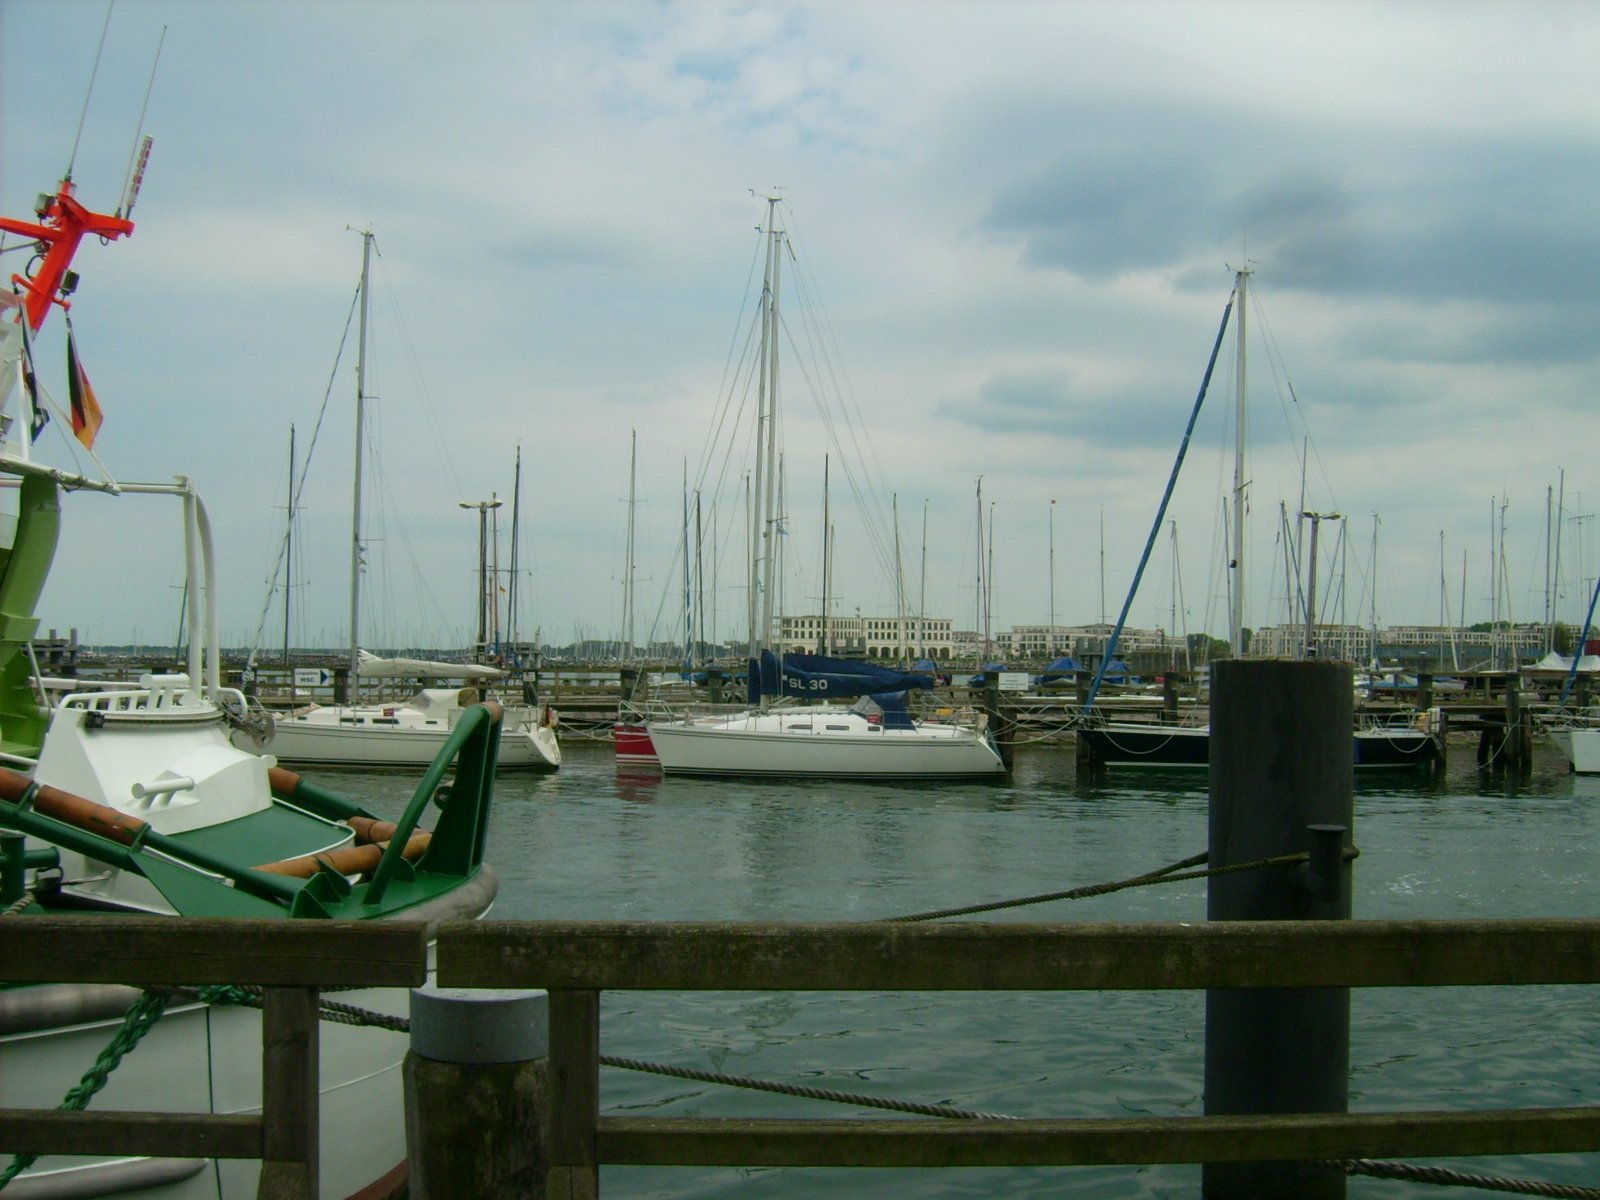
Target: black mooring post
{"x":1281,"y":781}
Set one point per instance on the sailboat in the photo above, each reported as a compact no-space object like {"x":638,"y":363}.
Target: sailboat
{"x":1170,"y":746}
{"x":875,"y":739}
{"x":129,"y":799}
{"x":629,"y":737}
{"x":406,"y":733}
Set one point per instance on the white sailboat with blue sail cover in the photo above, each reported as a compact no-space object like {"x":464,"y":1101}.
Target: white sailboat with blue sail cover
{"x":780,"y":734}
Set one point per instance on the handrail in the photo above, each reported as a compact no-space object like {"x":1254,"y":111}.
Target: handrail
{"x":578,"y":960}
{"x":291,"y":960}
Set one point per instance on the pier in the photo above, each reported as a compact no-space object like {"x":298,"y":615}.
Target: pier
{"x":1284,"y":933}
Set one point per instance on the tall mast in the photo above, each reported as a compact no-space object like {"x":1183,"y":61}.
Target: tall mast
{"x":355,"y":504}
{"x":1050,"y":638}
{"x":1236,"y":621}
{"x":981,"y":612}
{"x":899,"y":579}
{"x":758,"y":508}
{"x":688,"y":577}
{"x":922,"y":590}
{"x":627,"y":566}
{"x":288,"y":555}
{"x":825,"y":643}
{"x":769,"y":526}
{"x":511,"y":588}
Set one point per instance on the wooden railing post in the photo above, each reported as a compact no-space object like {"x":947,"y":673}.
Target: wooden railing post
{"x":476,"y":1091}
{"x":289,"y":1067}
{"x":574,"y":1094}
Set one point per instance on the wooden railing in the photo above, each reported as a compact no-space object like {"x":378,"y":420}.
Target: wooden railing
{"x":292,"y":960}
{"x":577,"y":961}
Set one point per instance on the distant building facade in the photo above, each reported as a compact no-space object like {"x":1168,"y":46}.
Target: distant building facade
{"x":869,"y":637}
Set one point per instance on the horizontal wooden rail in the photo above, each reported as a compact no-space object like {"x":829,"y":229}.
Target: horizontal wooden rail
{"x":579,"y":960}
{"x":164,"y":1135}
{"x":292,"y":960}
{"x":696,"y":956}
{"x":705,"y":1142}
{"x":163,"y":950}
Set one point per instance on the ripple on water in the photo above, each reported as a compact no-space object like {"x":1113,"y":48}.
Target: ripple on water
{"x":588,"y":843}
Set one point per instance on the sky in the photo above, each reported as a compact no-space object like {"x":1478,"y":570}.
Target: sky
{"x":1015,"y":226}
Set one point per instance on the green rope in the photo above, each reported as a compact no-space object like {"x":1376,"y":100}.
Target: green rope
{"x":136,"y":1022}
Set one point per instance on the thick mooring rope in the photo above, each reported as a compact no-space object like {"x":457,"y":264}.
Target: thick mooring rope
{"x":136,"y":1022}
{"x":809,"y":1093}
{"x":1445,"y":1177}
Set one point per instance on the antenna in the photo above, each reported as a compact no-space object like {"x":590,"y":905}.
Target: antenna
{"x":139,"y":156}
{"x":89,"y":91}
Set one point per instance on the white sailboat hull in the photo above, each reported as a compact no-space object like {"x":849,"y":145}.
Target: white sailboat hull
{"x":336,"y":737}
{"x":1581,"y":748}
{"x":824,"y":744}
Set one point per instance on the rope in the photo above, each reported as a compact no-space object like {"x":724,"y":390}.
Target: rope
{"x":1445,"y":1177}
{"x":20,"y":905}
{"x":810,"y":1093}
{"x":136,"y":1022}
{"x":331,"y":1011}
{"x":1168,"y":874}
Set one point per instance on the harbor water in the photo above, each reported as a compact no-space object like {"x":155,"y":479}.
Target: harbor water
{"x":593,"y":843}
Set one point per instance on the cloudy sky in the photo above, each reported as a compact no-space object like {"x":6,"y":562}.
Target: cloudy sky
{"x":1014,"y":224}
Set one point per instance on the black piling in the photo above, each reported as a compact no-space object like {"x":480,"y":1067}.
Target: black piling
{"x":1281,"y":775}
{"x":1002,"y":724}
{"x":1169,"y":698}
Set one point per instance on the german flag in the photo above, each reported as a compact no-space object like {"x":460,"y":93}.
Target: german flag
{"x":86,"y":415}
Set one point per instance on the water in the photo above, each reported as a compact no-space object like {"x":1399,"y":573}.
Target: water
{"x":590,"y":843}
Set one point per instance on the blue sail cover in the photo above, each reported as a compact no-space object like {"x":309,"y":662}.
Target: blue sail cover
{"x":896,"y":714}
{"x":824,"y":678}
{"x":1063,"y":668}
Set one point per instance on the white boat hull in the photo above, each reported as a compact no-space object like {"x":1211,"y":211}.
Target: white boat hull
{"x":1581,"y":748}
{"x":822,"y":744}
{"x":316,"y":740}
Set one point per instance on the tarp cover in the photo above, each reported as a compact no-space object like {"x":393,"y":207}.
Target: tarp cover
{"x":825,"y":678}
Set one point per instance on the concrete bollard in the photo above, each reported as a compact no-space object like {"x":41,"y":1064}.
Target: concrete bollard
{"x":475,"y":1094}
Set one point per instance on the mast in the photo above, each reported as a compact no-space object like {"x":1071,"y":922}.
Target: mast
{"x":688,"y":578}
{"x":1240,"y":424}
{"x":983,"y":641}
{"x":825,"y":643}
{"x":511,"y":589}
{"x":355,"y":503}
{"x":1375,"y":524}
{"x":63,"y":223}
{"x":627,"y":566}
{"x":922,"y":590}
{"x":899,"y":582}
{"x":758,"y":506}
{"x":288,"y":556}
{"x":1050,"y":638}
{"x":769,"y":525}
